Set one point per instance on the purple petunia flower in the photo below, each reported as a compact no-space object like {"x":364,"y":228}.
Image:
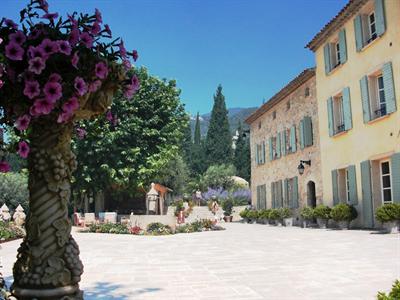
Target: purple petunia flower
{"x":41,"y":107}
{"x":22,"y":122}
{"x":44,"y":5}
{"x":10,"y":23}
{"x":107,"y":29}
{"x":35,"y":33}
{"x":94,"y":86}
{"x":32,"y":89}
{"x":75,"y":60}
{"x":14,"y":51}
{"x":81,"y":133}
{"x":1,"y":40}
{"x":132,"y":88}
{"x":74,"y":36}
{"x":36,"y":65}
{"x":64,"y":47}
{"x":127,"y":64}
{"x":17,"y":37}
{"x":101,"y":70}
{"x":4,"y":167}
{"x":80,"y":86}
{"x":49,"y":47}
{"x":122,"y":49}
{"x":64,"y":117}
{"x":109,"y":116}
{"x":1,"y":83}
{"x":23,"y":149}
{"x":98,"y":16}
{"x":86,"y":39}
{"x":52,"y":91}
{"x":50,"y":16}
{"x":55,"y":77}
{"x":71,"y":105}
{"x":36,"y":52}
{"x":95,"y":28}
{"x":134,"y":55}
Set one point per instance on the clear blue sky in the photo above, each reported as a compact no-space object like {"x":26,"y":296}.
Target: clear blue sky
{"x":251,"y":47}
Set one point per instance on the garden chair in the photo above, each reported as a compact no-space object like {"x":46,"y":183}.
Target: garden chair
{"x":90,"y":218}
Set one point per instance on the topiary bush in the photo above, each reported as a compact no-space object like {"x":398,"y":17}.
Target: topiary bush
{"x":394,"y":294}
{"x":274,"y":214}
{"x":307,"y":213}
{"x":343,"y":212}
{"x":243,"y":214}
{"x":388,"y":213}
{"x":284,"y":212}
{"x":322,"y":212}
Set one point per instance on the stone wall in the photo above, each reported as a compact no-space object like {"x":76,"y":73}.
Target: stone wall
{"x":286,"y":166}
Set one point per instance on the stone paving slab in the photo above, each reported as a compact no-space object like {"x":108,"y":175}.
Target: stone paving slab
{"x":246,"y":262}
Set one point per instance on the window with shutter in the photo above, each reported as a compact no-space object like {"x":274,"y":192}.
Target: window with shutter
{"x":335,"y":190}
{"x":283,"y":144}
{"x":368,"y":210}
{"x":293,"y":139}
{"x":395,"y":162}
{"x":302,"y":134}
{"x":278,"y":145}
{"x":308,"y":132}
{"x":295,"y":192}
{"x":352,"y":185}
{"x":330,"y":116}
{"x":365,"y":99}
{"x":327,"y":58}
{"x":347,"y":117}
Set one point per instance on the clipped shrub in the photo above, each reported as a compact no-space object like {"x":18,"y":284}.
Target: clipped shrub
{"x":394,"y":294}
{"x":322,"y":212}
{"x":388,"y":213}
{"x":9,"y":231}
{"x":264,"y":214}
{"x":227,"y":206}
{"x":252,"y":214}
{"x":307,"y":213}
{"x":343,"y":212}
{"x":158,"y":228}
{"x":244,"y":213}
{"x":274,"y":214}
{"x":109,"y":228}
{"x":284,"y":212}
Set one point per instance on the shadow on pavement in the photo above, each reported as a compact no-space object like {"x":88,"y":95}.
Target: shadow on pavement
{"x":109,"y":291}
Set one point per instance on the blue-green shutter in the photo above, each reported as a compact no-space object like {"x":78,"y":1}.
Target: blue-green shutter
{"x":365,"y":99}
{"x":256,"y":153}
{"x":273,"y":197}
{"x":279,"y":193}
{"x":348,"y":124}
{"x":335,"y":190}
{"x":388,"y":83}
{"x":395,"y":164}
{"x":351,"y":173}
{"x":263,"y":153}
{"x":308,"y":134}
{"x":283,"y":144}
{"x":264,"y":194}
{"x":271,"y":149}
{"x":293,"y":139}
{"x":286,"y":192}
{"x":368,"y":208}
{"x":330,"y":116}
{"x":358,"y":32}
{"x":302,"y":134}
{"x":342,"y":46}
{"x":380,"y":17}
{"x":258,"y":198}
{"x":295,"y":197}
{"x":278,"y":145}
{"x":327,"y":58}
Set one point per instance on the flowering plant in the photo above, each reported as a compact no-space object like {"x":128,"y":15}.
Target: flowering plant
{"x":58,"y":70}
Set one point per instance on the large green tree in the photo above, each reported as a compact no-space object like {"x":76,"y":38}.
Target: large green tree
{"x":242,"y":155}
{"x":198,"y":162}
{"x":219,"y":138}
{"x":138,"y":138}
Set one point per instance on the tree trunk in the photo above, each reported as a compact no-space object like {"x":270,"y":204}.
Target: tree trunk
{"x":48,"y":264}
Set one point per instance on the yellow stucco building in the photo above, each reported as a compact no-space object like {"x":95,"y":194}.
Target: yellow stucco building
{"x":358,"y":90}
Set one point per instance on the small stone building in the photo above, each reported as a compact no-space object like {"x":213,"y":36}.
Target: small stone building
{"x":284,"y":141}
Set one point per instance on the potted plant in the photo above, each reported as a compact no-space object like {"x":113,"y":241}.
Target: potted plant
{"x":322,"y":213}
{"x":275,"y":216}
{"x":244,"y":215}
{"x":343,"y":214}
{"x":286,"y":215}
{"x":389,"y":216}
{"x":55,"y":72}
{"x":307,"y":215}
{"x":227,"y":206}
{"x":265,"y":216}
{"x":252,"y":216}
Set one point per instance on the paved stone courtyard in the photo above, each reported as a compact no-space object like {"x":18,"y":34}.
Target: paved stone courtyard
{"x":244,"y":262}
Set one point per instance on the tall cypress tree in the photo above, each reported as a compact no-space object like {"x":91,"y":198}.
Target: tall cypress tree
{"x":187,"y":143}
{"x":242,"y":155}
{"x":198,"y":165}
{"x":219,"y":140}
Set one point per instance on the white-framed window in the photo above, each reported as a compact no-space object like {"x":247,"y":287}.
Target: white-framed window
{"x":386,"y":181}
{"x":371,"y":27}
{"x":377,"y":95}
{"x":287,"y":141}
{"x":338,"y":114}
{"x":274,"y":153}
{"x":347,"y":187}
{"x":337,"y":54}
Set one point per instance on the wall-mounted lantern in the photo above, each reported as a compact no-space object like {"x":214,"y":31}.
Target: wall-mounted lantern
{"x":300,"y":168}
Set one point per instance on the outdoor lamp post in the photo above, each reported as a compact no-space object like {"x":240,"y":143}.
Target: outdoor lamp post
{"x":152,"y":198}
{"x":300,"y":168}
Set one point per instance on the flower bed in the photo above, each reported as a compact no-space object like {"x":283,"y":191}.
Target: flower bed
{"x":9,"y":232}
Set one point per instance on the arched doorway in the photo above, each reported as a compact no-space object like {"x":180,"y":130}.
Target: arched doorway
{"x":311,"y":197}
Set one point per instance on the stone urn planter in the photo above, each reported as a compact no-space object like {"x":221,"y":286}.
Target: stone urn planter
{"x":343,"y":225}
{"x":322,"y":223}
{"x":278,"y":222}
{"x":306,"y":223}
{"x":391,"y":227}
{"x":288,"y":222}
{"x":266,"y":222}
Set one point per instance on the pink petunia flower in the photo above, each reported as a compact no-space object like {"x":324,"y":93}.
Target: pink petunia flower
{"x":50,"y":16}
{"x":23,"y":149}
{"x":14,"y":51}
{"x":17,"y":37}
{"x":122,"y":49}
{"x":64,"y":117}
{"x":55,"y":77}
{"x":132,"y":88}
{"x":1,"y":83}
{"x":41,"y":107}
{"x":108,"y":30}
{"x":44,"y":5}
{"x":71,"y":105}
{"x":52,"y":91}
{"x":36,"y":52}
{"x":64,"y":47}
{"x":80,"y":86}
{"x":81,"y":133}
{"x":1,"y":41}
{"x":135,"y":55}
{"x":4,"y":167}
{"x":95,"y":28}
{"x":94,"y":86}
{"x":49,"y":47}
{"x":75,"y":60}
{"x":86,"y":39}
{"x":98,"y":16}
{"x":36,"y":65}
{"x":101,"y":70}
{"x":127,"y":64}
{"x":74,"y":36}
{"x":22,"y":122}
{"x":32,"y":89}
{"x":109,"y":116}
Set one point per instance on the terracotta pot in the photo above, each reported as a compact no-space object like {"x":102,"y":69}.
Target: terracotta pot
{"x":228,"y":218}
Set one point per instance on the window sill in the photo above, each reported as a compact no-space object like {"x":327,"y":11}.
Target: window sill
{"x":340,"y":133}
{"x":379,"y":119}
{"x":338,"y":67}
{"x":371,"y":43}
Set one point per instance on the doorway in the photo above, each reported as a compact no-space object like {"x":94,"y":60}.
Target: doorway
{"x":311,"y":197}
